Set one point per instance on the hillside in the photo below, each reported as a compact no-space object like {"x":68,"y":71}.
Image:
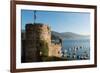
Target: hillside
{"x":68,"y":35}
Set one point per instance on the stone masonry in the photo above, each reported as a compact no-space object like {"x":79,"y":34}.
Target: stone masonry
{"x":38,"y":37}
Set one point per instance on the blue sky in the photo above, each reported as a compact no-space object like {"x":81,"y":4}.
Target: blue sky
{"x":59,"y":21}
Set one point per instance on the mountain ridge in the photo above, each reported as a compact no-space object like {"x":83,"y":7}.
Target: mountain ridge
{"x":69,"y":35}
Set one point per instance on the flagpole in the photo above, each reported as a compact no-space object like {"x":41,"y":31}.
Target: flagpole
{"x":34,"y":16}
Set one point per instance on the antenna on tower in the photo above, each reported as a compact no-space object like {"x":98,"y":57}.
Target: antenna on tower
{"x":34,"y":16}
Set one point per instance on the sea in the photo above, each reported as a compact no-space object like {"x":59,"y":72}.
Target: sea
{"x":76,"y":49}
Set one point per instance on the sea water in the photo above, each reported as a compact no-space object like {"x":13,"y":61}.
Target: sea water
{"x":76,"y":49}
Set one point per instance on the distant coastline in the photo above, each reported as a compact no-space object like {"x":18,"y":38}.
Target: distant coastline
{"x":69,"y":35}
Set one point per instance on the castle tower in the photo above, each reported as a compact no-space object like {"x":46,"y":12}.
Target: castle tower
{"x":38,"y":41}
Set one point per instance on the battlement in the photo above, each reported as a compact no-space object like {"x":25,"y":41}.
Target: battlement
{"x":30,"y":26}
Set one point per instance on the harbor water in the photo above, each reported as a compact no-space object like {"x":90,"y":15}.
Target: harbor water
{"x":76,"y":49}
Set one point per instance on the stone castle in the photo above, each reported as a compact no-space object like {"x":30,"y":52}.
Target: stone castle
{"x":37,"y":42}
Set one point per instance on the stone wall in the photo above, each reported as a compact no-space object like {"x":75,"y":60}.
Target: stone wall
{"x":55,"y":50}
{"x":38,"y":43}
